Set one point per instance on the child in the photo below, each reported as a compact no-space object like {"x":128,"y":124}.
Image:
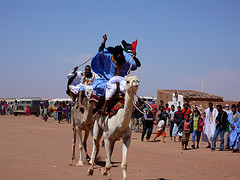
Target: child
{"x":27,"y":111}
{"x":160,"y":130}
{"x":197,"y":127}
{"x":164,"y":116}
{"x":186,"y":128}
{"x":171,"y":113}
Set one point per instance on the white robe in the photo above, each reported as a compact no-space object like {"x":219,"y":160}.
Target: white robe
{"x":112,"y":86}
{"x":209,"y":127}
{"x":81,"y":82}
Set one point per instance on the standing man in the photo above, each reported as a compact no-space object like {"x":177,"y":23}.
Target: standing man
{"x":147,"y":125}
{"x":55,"y":112}
{"x":154,"y":109}
{"x":6,"y":108}
{"x":137,"y":118}
{"x":210,"y":124}
{"x":171,"y":113}
{"x":59,"y":110}
{"x":226,"y":134}
{"x":220,"y":128}
{"x":234,"y":121}
{"x":167,"y":111}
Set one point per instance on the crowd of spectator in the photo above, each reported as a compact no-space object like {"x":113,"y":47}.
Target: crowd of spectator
{"x":6,"y":108}
{"x":186,"y":122}
{"x":60,"y":111}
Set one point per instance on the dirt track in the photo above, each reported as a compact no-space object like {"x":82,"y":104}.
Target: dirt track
{"x":33,"y":149}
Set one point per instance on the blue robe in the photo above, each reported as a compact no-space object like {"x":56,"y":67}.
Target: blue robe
{"x":234,"y":134}
{"x":106,"y":67}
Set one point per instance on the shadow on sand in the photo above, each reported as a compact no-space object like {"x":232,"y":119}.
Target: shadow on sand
{"x":102,"y":163}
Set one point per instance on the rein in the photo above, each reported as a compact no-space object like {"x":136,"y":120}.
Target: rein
{"x":85,"y":62}
{"x":148,"y":106}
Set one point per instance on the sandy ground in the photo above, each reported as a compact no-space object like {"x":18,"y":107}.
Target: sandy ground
{"x":33,"y":149}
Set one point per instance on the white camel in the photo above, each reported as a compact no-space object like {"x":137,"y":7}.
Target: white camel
{"x":115,"y":128}
{"x":82,"y":120}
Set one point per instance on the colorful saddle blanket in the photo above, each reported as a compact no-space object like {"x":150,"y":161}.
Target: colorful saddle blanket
{"x":118,"y":105}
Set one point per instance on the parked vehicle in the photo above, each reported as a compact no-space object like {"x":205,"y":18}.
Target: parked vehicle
{"x":32,"y":102}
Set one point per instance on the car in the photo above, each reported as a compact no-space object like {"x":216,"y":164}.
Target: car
{"x":32,"y":102}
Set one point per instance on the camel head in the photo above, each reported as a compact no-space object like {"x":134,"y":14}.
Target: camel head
{"x":132,"y":83}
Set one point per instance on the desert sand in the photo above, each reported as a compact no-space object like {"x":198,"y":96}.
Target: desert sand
{"x":33,"y":149}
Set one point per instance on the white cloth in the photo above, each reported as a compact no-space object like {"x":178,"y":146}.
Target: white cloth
{"x":45,"y":111}
{"x":172,"y":114}
{"x":227,"y":111}
{"x":209,"y":125}
{"x":160,"y":125}
{"x":112,"y":86}
{"x":81,"y":81}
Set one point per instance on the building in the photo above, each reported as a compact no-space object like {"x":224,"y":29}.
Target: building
{"x":195,"y":98}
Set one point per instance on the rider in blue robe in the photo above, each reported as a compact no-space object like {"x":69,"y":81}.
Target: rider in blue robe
{"x":234,"y":128}
{"x":110,"y":62}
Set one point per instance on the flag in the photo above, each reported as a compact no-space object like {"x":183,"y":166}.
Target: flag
{"x":134,"y":45}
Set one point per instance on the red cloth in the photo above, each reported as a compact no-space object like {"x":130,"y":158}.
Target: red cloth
{"x":189,"y":111}
{"x":200,"y":124}
{"x":159,"y":133}
{"x":27,"y":112}
{"x":154,"y":110}
{"x":186,"y":126}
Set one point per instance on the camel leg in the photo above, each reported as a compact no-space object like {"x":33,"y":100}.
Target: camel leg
{"x":85,"y":144}
{"x":112,"y":147}
{"x":80,"y":162}
{"x":73,"y":146}
{"x":106,"y":171}
{"x":94,"y":132}
{"x":97,"y":134}
{"x":126,"y":144}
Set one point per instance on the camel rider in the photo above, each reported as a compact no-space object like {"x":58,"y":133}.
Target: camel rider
{"x":80,"y":82}
{"x":112,"y":64}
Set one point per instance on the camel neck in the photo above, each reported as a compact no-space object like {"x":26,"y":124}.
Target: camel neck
{"x":127,"y":109}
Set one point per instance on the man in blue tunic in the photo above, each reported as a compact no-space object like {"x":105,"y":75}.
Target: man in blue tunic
{"x":112,"y":64}
{"x":234,"y":121}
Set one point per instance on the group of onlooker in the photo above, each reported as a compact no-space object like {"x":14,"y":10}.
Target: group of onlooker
{"x":6,"y":108}
{"x":61,"y":110}
{"x":185,"y":122}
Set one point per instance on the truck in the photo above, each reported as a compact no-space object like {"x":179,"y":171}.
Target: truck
{"x":32,"y":102}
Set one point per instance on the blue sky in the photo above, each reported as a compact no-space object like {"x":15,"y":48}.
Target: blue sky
{"x":180,"y":43}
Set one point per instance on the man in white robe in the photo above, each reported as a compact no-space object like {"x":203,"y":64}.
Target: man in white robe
{"x":81,"y":82}
{"x":209,"y":124}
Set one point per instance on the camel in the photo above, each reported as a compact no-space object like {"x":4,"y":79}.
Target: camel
{"x":115,"y":128}
{"x":82,"y":120}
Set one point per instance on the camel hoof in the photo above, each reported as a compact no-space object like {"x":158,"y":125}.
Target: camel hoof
{"x":71,"y":163}
{"x":103,"y":171}
{"x":80,"y":164}
{"x":91,"y":162}
{"x":90,"y":172}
